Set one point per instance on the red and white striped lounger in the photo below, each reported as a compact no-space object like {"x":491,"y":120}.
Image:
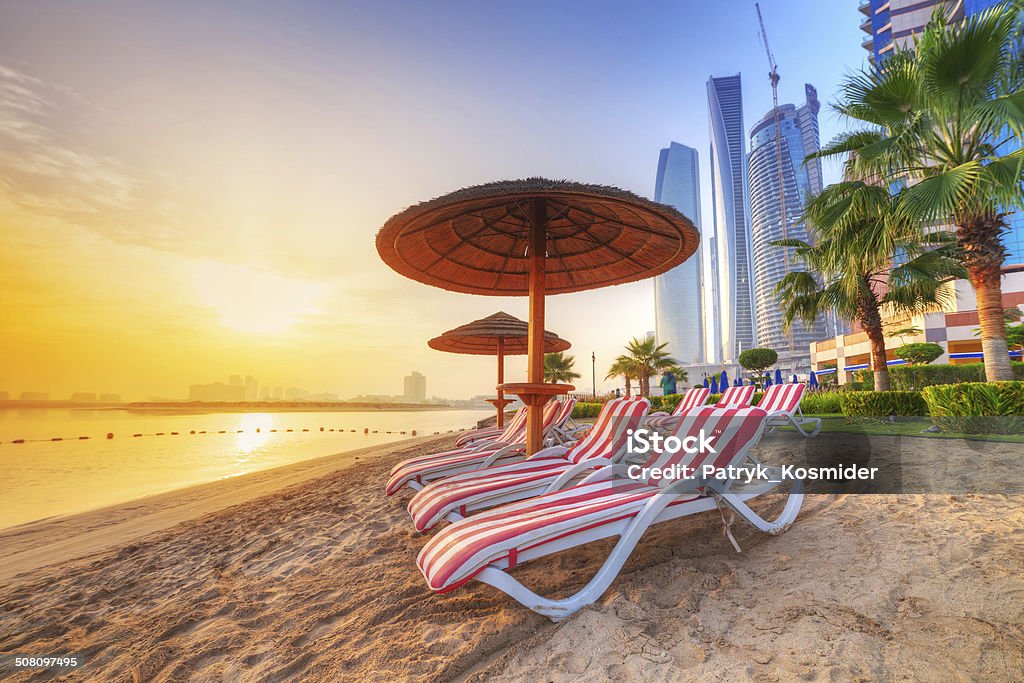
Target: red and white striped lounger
{"x":693,"y":398}
{"x":782,"y":402}
{"x":565,"y":430}
{"x":454,"y":497}
{"x":490,"y":433}
{"x":417,"y":471}
{"x":737,"y":397}
{"x":484,"y":546}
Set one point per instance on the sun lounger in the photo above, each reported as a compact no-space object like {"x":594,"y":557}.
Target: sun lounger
{"x":456,"y":496}
{"x":737,"y":397}
{"x":782,"y":403}
{"x":512,"y":444}
{"x":486,"y":545}
{"x":697,"y":396}
{"x":490,"y":433}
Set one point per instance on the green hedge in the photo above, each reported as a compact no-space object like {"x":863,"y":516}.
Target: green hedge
{"x":978,"y":407}
{"x":877,"y":404}
{"x":584,"y":410}
{"x":917,"y":377}
{"x":820,"y":403}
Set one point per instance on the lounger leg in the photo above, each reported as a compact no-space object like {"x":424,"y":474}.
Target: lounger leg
{"x":781,"y":523}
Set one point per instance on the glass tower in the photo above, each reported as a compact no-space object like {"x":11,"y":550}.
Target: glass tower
{"x":678,"y":298}
{"x":799,"y":138}
{"x":735,"y":315}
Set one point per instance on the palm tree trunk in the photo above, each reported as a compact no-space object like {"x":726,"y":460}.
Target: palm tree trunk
{"x":989,"y":293}
{"x":983,"y":255}
{"x":871,"y":321}
{"x":627,"y":386}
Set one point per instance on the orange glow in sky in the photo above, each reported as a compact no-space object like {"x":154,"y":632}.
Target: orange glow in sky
{"x":186,"y":195}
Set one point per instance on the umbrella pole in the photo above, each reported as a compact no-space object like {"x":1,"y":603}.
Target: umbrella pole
{"x":501,"y":380}
{"x":535,"y":344}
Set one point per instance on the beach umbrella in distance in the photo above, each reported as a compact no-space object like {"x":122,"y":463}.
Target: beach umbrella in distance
{"x":498,"y":335}
{"x":778,"y":376}
{"x":767,"y":381}
{"x":535,"y":237}
{"x":714,"y":384}
{"x":794,"y":378}
{"x":813,"y":381}
{"x":724,"y":380}
{"x":738,"y":382}
{"x":706,"y":385}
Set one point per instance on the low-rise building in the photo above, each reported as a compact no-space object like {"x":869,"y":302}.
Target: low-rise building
{"x":954,"y":329}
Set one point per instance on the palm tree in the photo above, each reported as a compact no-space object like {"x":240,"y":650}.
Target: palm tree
{"x":625,"y":367}
{"x":558,"y":368}
{"x":850,"y":269}
{"x":940,"y":117}
{"x":647,"y":358}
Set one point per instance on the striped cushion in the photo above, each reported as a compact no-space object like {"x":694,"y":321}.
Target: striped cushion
{"x":732,"y":429}
{"x":782,"y":398}
{"x":608,"y":436}
{"x":436,"y":465}
{"x":606,"y":440}
{"x":430,"y":505}
{"x":691,"y":399}
{"x":737,"y":396}
{"x":460,"y":551}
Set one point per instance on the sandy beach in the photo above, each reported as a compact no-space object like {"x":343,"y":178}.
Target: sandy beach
{"x":307,"y":573}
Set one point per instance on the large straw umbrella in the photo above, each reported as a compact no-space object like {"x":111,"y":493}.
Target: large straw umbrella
{"x":498,"y":335}
{"x":535,"y":237}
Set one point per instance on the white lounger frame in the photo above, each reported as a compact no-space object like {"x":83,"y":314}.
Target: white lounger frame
{"x":781,"y":418}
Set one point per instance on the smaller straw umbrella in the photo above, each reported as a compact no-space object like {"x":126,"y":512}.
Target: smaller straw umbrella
{"x":498,"y":335}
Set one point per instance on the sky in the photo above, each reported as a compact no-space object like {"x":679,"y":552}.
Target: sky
{"x":191,"y":189}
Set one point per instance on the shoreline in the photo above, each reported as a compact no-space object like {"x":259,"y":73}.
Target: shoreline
{"x":63,"y":538}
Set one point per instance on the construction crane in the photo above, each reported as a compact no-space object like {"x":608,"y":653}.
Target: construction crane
{"x":773,"y":76}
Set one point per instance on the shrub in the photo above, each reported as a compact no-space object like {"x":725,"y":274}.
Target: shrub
{"x":820,"y":402}
{"x":916,"y":377}
{"x":758,"y":360}
{"x":919,"y":354}
{"x":584,"y":410}
{"x":878,"y":404}
{"x":977,"y":407}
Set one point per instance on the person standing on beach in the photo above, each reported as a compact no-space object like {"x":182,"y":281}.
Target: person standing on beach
{"x":668,"y":383}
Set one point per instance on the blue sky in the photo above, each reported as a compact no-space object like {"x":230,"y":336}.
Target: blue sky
{"x":180,"y":145}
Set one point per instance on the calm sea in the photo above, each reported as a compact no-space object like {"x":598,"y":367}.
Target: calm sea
{"x":41,"y":478}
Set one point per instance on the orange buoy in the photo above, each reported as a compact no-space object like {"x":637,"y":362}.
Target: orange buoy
{"x":110,"y":435}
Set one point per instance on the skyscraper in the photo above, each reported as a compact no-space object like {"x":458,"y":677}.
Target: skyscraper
{"x":1013,"y":239}
{"x":735,"y":314}
{"x":799,"y":138}
{"x":892,"y":24}
{"x":415,"y":388}
{"x":678,"y":294}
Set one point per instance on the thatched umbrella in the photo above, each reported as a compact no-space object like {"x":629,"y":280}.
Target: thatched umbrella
{"x":498,"y":335}
{"x":534,"y":237}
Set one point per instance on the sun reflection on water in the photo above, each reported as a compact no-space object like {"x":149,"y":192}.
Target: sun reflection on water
{"x":254,"y":432}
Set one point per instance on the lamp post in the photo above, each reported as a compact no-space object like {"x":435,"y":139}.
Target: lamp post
{"x":593,"y":373}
